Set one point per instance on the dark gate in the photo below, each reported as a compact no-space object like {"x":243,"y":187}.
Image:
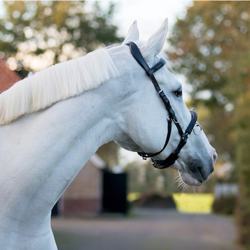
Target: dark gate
{"x":114,"y":198}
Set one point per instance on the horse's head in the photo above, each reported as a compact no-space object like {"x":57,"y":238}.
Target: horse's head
{"x":166,"y":132}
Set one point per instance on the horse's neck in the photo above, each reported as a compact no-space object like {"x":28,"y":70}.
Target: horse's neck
{"x":40,"y":154}
{"x":65,"y":135}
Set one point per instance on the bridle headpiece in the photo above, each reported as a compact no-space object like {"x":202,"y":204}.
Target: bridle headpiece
{"x":161,"y":164}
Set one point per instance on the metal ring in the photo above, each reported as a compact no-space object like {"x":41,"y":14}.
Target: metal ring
{"x":197,"y":129}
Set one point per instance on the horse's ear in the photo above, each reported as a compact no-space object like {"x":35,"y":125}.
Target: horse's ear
{"x":133,"y":33}
{"x":155,"y":43}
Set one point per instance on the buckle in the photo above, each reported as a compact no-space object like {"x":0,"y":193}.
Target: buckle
{"x":185,"y":136}
{"x":143,"y":156}
{"x":175,"y":120}
{"x":168,"y":118}
{"x":155,"y":165}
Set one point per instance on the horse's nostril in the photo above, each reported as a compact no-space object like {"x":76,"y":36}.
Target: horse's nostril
{"x":215,"y":156}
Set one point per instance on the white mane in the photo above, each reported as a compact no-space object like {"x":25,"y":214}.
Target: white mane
{"x":56,"y":83}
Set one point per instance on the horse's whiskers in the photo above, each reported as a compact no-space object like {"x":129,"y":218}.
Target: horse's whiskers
{"x":185,"y":187}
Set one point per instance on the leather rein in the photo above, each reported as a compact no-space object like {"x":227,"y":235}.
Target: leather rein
{"x":161,"y":164}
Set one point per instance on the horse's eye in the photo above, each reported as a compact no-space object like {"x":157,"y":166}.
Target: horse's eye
{"x":178,"y":93}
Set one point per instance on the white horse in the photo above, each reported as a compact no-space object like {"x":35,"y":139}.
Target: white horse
{"x":54,"y":121}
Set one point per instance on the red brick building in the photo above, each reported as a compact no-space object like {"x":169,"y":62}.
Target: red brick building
{"x":84,"y":194}
{"x":7,"y":77}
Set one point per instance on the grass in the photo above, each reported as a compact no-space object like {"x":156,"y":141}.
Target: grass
{"x":194,"y":203}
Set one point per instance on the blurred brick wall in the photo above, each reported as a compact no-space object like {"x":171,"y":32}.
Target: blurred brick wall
{"x":7,"y":77}
{"x":84,"y":194}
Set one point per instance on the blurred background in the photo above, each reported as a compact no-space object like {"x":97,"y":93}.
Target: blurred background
{"x":118,"y":200}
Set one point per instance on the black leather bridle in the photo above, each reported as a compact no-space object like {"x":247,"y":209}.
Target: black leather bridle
{"x":161,"y":164}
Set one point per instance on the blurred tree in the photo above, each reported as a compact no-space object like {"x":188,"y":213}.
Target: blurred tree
{"x":143,"y":178}
{"x":37,"y":34}
{"x":210,"y":46}
{"x":42,"y":33}
{"x":109,"y":153}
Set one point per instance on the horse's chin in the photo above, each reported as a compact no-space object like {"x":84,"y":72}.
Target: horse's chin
{"x":189,"y":180}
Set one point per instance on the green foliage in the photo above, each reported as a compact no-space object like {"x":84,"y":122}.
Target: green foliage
{"x":225,"y":205}
{"x":54,"y":30}
{"x":109,"y":153}
{"x":243,"y":159}
{"x":146,"y":179}
{"x":211,"y":47}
